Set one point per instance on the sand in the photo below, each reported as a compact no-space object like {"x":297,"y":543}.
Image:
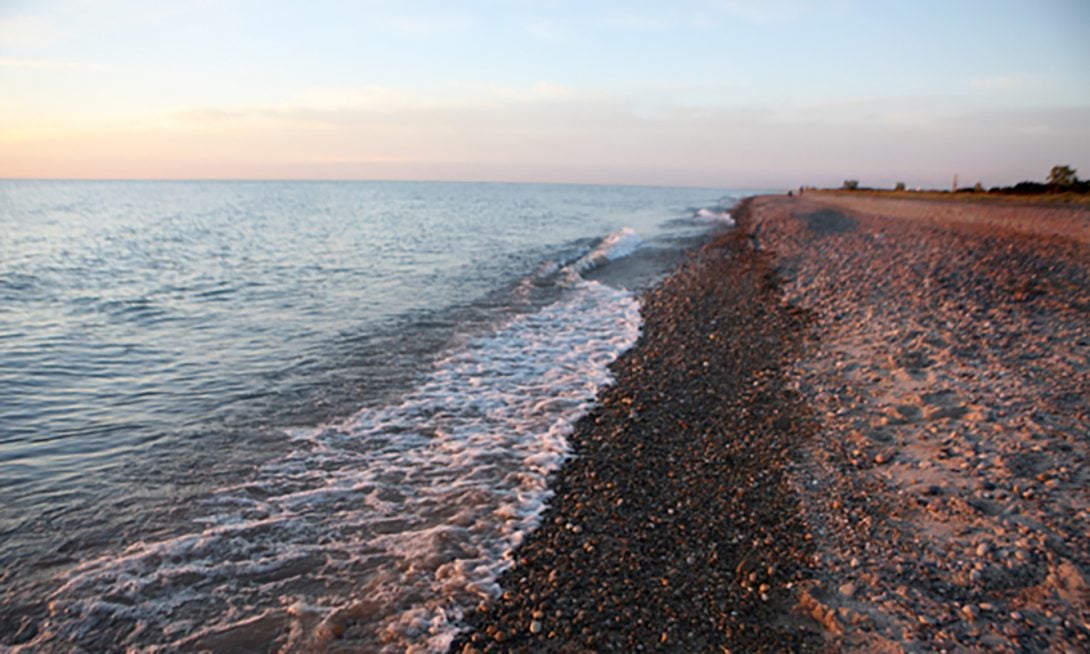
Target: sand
{"x":849,"y":426}
{"x":949,"y":365}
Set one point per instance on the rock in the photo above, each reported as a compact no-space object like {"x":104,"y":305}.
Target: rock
{"x":847,"y":589}
{"x":535,"y":627}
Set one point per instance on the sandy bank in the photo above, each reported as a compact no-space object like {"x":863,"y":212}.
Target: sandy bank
{"x":948,"y":366}
{"x":1035,"y":219}
{"x":868,"y":435}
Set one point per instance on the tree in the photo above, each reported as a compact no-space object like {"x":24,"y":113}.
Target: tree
{"x":900,"y":186}
{"x":1062,"y":177}
{"x":851,"y":184}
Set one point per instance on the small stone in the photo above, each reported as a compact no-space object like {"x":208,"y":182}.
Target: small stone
{"x":535,"y":627}
{"x":970,"y":611}
{"x":983,"y":549}
{"x":847,"y":590}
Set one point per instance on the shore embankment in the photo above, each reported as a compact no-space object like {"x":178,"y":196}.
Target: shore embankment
{"x":846,"y":427}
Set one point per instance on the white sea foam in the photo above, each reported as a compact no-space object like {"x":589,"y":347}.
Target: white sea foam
{"x":615,"y":245}
{"x":381,"y":528}
{"x":716,"y":215}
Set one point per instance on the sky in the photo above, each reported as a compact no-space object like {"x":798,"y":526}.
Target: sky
{"x":726,"y":93}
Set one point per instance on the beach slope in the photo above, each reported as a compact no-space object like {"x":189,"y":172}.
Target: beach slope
{"x":846,"y":427}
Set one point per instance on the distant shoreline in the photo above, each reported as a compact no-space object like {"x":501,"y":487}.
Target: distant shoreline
{"x":1052,"y":199}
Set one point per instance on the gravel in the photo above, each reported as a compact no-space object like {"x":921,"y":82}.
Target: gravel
{"x":848,"y":426}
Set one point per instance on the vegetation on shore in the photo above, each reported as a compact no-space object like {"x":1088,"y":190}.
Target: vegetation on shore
{"x":1061,"y":187}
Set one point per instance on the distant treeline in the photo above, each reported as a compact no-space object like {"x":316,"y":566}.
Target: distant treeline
{"x":1061,"y":179}
{"x":1036,"y":188}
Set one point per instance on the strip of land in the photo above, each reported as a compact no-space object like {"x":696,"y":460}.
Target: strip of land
{"x":848,"y":426}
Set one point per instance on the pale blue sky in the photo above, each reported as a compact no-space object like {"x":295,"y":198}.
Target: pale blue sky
{"x":724,"y":92}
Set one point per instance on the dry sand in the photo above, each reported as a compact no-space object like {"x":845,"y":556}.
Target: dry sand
{"x":855,"y":424}
{"x":949,"y":366}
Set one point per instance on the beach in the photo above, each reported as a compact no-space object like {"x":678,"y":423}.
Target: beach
{"x":851,"y":424}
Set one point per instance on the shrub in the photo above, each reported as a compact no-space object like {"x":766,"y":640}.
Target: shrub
{"x":1061,"y":177}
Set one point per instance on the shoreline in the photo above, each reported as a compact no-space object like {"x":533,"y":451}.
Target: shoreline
{"x":869,"y":435}
{"x":673,"y":526}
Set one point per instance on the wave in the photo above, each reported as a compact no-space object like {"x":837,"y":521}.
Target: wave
{"x":381,"y":529}
{"x":616,"y":245}
{"x":715,"y":215}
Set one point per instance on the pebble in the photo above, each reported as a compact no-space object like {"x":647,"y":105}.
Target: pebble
{"x":943,"y":568}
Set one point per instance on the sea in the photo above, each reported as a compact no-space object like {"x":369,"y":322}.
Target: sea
{"x":299,"y":416}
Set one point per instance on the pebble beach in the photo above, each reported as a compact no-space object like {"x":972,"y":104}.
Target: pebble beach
{"x":850,"y":424}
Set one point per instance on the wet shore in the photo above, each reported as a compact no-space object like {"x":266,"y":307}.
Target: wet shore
{"x":843,"y":429}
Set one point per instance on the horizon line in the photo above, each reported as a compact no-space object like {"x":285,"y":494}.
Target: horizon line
{"x":376,"y":179}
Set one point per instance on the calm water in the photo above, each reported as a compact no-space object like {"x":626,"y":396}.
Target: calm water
{"x":249,"y":416}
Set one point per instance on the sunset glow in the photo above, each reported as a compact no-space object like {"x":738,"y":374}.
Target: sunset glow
{"x":698,"y":93}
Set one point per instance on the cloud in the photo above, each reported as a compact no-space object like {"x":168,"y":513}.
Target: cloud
{"x":1000,"y":82}
{"x":27,"y":32}
{"x":547,"y":132}
{"x":39,"y":64}
{"x":765,"y":11}
{"x":642,"y":22}
{"x":544,"y":29}
{"x":420,"y":27}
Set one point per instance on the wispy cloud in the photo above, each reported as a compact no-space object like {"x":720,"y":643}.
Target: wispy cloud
{"x":765,"y":11}
{"x":54,"y":64}
{"x":1000,"y":82}
{"x":28,"y":32}
{"x":421,"y":27}
{"x":639,"y":21}
{"x":544,"y":29}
